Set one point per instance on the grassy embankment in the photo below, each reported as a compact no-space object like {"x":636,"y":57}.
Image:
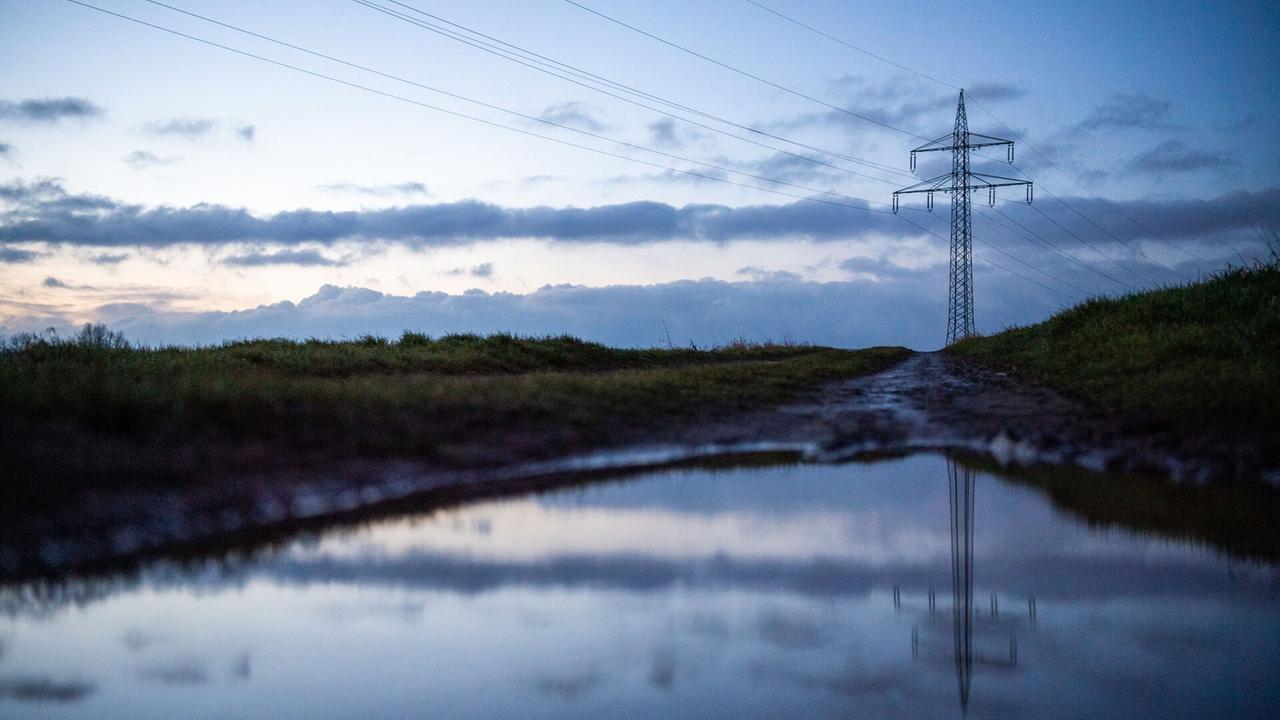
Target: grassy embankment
{"x":94,"y":409}
{"x":1203,"y":357}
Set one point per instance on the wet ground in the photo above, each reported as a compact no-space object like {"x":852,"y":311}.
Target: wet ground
{"x":914,"y":588}
{"x":929,"y":402}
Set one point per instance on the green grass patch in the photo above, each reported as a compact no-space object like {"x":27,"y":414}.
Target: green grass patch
{"x":1205,"y":356}
{"x":95,"y":406}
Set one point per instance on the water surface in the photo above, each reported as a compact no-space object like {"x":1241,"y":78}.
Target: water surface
{"x":907,"y":588}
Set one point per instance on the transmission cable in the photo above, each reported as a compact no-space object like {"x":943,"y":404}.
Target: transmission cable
{"x":515,"y":113}
{"x":742,"y":72}
{"x":624,"y":87}
{"x":1000,"y":122}
{"x":491,"y":123}
{"x":586,"y":78}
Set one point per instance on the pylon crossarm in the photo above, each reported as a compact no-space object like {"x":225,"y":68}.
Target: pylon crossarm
{"x":926,"y":186}
{"x":986,"y":140}
{"x":990,"y":181}
{"x":942,"y":143}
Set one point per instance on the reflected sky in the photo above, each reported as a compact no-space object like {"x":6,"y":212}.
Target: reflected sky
{"x":762,"y":592}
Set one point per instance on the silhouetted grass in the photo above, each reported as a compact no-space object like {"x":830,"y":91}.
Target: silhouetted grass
{"x":95,"y":408}
{"x":1202,"y":356}
{"x":1238,"y":518}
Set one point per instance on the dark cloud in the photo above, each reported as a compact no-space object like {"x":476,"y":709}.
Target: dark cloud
{"x":387,"y":190}
{"x":705,"y":312}
{"x":179,"y":671}
{"x":483,"y":270}
{"x":897,"y":104}
{"x":663,"y":133}
{"x":1174,"y":156}
{"x":182,"y":127}
{"x":108,"y":258}
{"x":44,"y":212}
{"x":1128,"y":111}
{"x":756,"y":273}
{"x":53,"y":282}
{"x":143,"y":159}
{"x":47,"y":213}
{"x":670,"y":134}
{"x":574,"y":114}
{"x":994,"y":91}
{"x":15,"y":256}
{"x":880,"y":268}
{"x":44,"y":689}
{"x":306,"y":258}
{"x":6,"y":150}
{"x":568,"y":687}
{"x":48,"y":110}
{"x":539,"y":180}
{"x":247,"y":132}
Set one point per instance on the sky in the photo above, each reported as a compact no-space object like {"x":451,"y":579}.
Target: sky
{"x":712,"y":172}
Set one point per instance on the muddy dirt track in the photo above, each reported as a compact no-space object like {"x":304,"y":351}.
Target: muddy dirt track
{"x":936,"y":401}
{"x":928,"y":402}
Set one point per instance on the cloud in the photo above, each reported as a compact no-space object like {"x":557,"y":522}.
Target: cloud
{"x":46,"y":212}
{"x":669,"y":134}
{"x":6,"y":150}
{"x":850,"y":314}
{"x":994,"y":91}
{"x":108,"y":258}
{"x":42,"y":211}
{"x":756,"y":273}
{"x":574,"y":114}
{"x":247,"y":132}
{"x":663,"y":133}
{"x":1174,"y":156}
{"x":896,"y":103}
{"x":387,"y":190}
{"x":182,"y":127}
{"x":53,"y":282}
{"x":305,"y":258}
{"x":143,"y":160}
{"x":1128,"y":111}
{"x":44,"y":689}
{"x":532,"y":180}
{"x":483,"y":270}
{"x":48,"y":111}
{"x":15,"y":256}
{"x":875,"y":268}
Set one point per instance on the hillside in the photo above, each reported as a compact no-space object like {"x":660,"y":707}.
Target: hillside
{"x":1202,"y":357}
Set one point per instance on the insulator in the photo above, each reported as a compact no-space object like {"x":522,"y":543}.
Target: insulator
{"x":1029,"y":192}
{"x":913,"y":162}
{"x":991,"y":197}
{"x":1010,"y":153}
{"x":929,"y":201}
{"x":895,"y":203}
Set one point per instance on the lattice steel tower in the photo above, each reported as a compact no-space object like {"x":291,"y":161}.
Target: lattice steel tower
{"x":959,"y":183}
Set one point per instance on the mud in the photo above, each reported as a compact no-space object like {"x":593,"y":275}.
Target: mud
{"x":928,"y":402}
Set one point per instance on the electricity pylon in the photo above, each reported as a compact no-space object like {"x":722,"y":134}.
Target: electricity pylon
{"x":959,"y":183}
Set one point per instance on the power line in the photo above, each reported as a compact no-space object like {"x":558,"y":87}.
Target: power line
{"x":1080,"y":185}
{"x":1029,"y":233}
{"x":515,"y":113}
{"x":849,"y":45}
{"x":584,"y":79}
{"x":582,"y":73}
{"x":1000,"y":122}
{"x":483,"y":121}
{"x":742,"y":72}
{"x":1093,"y":247}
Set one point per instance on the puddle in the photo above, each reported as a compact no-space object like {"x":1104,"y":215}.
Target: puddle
{"x":913,"y":587}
